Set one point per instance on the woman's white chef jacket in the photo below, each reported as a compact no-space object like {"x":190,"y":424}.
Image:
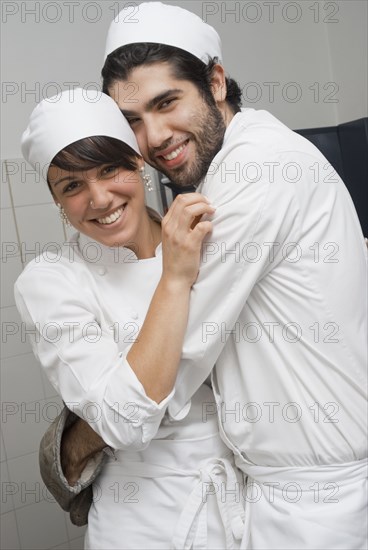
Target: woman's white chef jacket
{"x":280,"y":305}
{"x":84,"y":307}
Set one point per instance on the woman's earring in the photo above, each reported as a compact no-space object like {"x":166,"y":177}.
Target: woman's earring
{"x":63,"y":216}
{"x":147,"y":180}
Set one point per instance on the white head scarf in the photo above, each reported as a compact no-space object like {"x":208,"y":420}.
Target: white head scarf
{"x":163,"y":24}
{"x":58,"y":121}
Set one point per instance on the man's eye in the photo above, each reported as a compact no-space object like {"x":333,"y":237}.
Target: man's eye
{"x":132,"y":121}
{"x":167,"y":103}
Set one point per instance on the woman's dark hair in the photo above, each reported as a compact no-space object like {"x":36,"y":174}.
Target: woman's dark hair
{"x":94,"y":151}
{"x":184,"y":65}
{"x":90,"y":152}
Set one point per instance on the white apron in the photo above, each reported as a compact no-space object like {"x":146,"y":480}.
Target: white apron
{"x":317,"y":507}
{"x":303,"y":508}
{"x":179,"y":493}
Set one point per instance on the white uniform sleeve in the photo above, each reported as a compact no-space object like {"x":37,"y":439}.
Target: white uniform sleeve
{"x":255,"y":209}
{"x":77,"y":349}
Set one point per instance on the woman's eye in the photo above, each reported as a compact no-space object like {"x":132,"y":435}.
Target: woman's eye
{"x":72,"y":186}
{"x":109,"y":170}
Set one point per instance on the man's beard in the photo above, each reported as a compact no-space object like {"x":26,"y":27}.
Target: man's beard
{"x":208,"y":141}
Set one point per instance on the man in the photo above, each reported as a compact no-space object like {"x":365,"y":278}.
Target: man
{"x":278,"y":302}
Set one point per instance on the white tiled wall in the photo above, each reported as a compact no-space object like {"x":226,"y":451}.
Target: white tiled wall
{"x":29,"y":516}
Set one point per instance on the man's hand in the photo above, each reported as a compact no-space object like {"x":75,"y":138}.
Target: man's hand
{"x":79,"y":443}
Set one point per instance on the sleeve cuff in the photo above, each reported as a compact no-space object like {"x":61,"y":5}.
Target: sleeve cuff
{"x":127,"y":398}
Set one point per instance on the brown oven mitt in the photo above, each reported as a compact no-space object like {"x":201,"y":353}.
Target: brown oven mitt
{"x":76,"y":500}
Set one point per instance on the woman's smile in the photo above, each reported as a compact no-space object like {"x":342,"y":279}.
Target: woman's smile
{"x":112,"y":217}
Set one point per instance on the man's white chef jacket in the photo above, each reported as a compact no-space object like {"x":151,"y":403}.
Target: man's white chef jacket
{"x":280,"y":302}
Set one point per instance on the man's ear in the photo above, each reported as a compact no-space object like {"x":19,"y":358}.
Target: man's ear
{"x":218,"y":83}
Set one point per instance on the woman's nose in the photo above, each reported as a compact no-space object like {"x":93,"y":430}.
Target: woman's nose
{"x":100,"y":198}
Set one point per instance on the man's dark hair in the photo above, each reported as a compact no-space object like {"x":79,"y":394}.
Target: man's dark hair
{"x":184,"y":65}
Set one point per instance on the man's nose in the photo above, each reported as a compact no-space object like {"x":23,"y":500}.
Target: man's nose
{"x":158,"y":132}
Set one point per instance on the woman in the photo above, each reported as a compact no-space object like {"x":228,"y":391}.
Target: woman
{"x":165,"y":487}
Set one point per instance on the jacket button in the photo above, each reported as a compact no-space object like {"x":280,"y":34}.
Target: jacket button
{"x":102,"y":270}
{"x":134,"y":315}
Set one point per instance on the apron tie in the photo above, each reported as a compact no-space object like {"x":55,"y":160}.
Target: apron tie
{"x":191,"y":531}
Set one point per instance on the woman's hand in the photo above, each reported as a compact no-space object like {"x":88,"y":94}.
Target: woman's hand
{"x":183,"y":232}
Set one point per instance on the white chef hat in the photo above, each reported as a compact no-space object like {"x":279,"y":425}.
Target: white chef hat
{"x":163,"y":24}
{"x":58,"y":121}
